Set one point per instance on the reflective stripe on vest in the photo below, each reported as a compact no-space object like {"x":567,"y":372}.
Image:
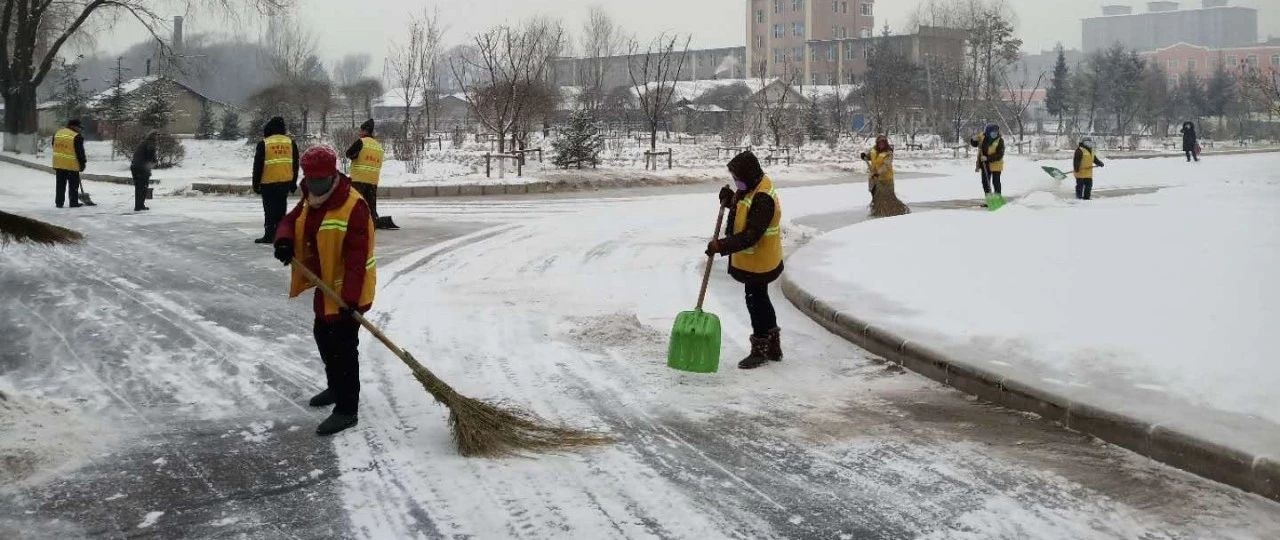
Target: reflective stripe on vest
{"x":1086,"y":163}
{"x":327,"y":249}
{"x":367,"y":168}
{"x":64,"y":150}
{"x":277,"y":163}
{"x":766,"y":254}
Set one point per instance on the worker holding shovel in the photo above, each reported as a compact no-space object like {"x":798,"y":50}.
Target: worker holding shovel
{"x":754,"y":247}
{"x":330,"y":232}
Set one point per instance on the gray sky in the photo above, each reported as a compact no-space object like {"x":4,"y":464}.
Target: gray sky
{"x":369,"y":25}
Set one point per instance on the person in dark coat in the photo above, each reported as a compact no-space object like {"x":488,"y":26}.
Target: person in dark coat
{"x":753,"y":243}
{"x":364,"y":179}
{"x":144,"y":159}
{"x":275,"y":174}
{"x":1190,"y":142}
{"x":68,"y":162}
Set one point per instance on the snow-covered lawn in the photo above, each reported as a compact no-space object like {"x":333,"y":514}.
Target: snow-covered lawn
{"x":1149,"y":299}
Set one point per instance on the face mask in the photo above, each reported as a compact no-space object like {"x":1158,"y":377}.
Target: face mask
{"x":742,"y":186}
{"x":318,"y":190}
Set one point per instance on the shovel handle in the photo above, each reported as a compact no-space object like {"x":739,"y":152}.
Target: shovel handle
{"x":711,"y":259}
{"x":337,"y":299}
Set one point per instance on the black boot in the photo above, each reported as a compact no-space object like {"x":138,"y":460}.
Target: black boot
{"x":759,"y":353}
{"x":263,"y":240}
{"x":774,"y":352}
{"x":323,"y":399}
{"x":335,"y":423}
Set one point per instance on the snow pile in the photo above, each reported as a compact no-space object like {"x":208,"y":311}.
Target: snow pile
{"x":1167,"y":293}
{"x":40,"y":438}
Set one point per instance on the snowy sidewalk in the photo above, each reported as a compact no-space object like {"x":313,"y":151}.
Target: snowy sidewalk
{"x":1145,"y":320}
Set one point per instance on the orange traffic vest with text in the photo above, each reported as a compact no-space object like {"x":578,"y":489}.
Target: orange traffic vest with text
{"x":766,"y":255}
{"x":64,"y":150}
{"x":328,"y":250}
{"x":277,"y":165}
{"x":367,"y":168}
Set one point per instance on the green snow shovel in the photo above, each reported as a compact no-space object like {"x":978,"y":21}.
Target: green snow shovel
{"x":695,"y":338}
{"x":1055,"y":173}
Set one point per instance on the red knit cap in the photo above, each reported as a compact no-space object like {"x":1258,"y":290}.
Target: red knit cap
{"x":319,"y":161}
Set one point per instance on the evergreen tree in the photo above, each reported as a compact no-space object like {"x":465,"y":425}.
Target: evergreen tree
{"x":230,"y":126}
{"x":205,"y":129}
{"x":115,"y":106}
{"x":1220,"y":93}
{"x":814,"y":125}
{"x":155,"y":105}
{"x":580,"y":142}
{"x":1057,"y":99}
{"x":72,"y":101}
{"x":1189,"y":96}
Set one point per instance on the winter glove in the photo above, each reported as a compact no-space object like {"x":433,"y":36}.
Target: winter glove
{"x":713,"y":248}
{"x":347,"y":313}
{"x":864,"y":157}
{"x":284,"y":251}
{"x":726,"y":197}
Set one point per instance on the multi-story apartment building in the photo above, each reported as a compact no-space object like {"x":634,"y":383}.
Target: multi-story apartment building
{"x":1184,"y":58}
{"x":779,"y":33}
{"x":1216,"y":24}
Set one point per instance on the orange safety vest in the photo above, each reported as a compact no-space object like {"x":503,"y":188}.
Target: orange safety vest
{"x":328,"y":250}
{"x":367,"y":168}
{"x":64,"y":150}
{"x":766,"y":255}
{"x":880,"y":160}
{"x":277,"y":164}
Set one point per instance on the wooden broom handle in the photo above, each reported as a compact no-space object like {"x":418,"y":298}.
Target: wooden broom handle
{"x":337,"y":299}
{"x":711,"y":259}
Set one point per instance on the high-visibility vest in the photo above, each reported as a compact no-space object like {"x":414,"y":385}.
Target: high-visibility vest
{"x":879,"y":160}
{"x":277,"y":164}
{"x":64,"y":150}
{"x":995,"y":166}
{"x":327,"y":249}
{"x":367,"y":167}
{"x":766,"y":255}
{"x":1086,"y":163}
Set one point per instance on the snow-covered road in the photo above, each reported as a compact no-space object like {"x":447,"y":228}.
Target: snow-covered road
{"x":170,"y":341}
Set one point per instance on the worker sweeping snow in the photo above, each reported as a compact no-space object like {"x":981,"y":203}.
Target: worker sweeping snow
{"x":330,"y":232}
{"x":754,"y":247}
{"x":884,"y":201}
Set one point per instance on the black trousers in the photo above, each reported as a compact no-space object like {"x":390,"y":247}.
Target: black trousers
{"x":763,"y":317}
{"x":1193,"y":154}
{"x":1084,"y":188}
{"x":68,"y":187}
{"x":141,"y":179}
{"x":370,"y":194}
{"x":275,"y":204}
{"x":990,"y":179}
{"x":339,"y":344}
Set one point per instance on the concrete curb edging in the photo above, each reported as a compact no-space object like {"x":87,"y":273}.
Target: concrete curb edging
{"x":125,"y":180}
{"x":1258,"y":474}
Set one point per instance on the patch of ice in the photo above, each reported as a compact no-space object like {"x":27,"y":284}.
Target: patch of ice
{"x":150,"y":519}
{"x":114,"y":497}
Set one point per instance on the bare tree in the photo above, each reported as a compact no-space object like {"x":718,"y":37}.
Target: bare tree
{"x":1018,"y":99}
{"x":776,"y":104}
{"x":1262,"y":87}
{"x":602,"y":38}
{"x":413,"y":66}
{"x":287,"y":47}
{"x":351,"y":68}
{"x":654,"y":72}
{"x":888,"y":86}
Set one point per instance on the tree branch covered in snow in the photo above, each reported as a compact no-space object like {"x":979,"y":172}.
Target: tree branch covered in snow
{"x":654,"y":72}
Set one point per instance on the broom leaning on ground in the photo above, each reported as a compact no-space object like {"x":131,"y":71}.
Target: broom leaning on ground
{"x":25,"y":230}
{"x":479,"y":428}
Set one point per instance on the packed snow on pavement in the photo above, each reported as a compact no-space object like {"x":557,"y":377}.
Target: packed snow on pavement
{"x":1131,"y":302}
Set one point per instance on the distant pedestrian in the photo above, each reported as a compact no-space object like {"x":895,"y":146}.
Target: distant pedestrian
{"x":68,"y":162}
{"x":1082,"y":165}
{"x":990,"y":158}
{"x":275,"y":175}
{"x":366,"y":155}
{"x":1190,"y":142}
{"x":754,"y":246}
{"x":144,"y":159}
{"x":884,"y":202}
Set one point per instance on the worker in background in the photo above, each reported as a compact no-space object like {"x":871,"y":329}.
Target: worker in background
{"x":144,"y":159}
{"x":68,"y":162}
{"x":1082,"y":164}
{"x":275,"y":174}
{"x":366,"y":169}
{"x":990,"y":160}
{"x":330,"y":232}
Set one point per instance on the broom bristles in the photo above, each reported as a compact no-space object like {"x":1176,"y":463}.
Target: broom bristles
{"x":885,"y":203}
{"x":20,"y":229}
{"x":482,"y":429}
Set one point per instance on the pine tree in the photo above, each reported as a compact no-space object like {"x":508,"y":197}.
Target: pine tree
{"x":205,"y":129}
{"x":72,"y":101}
{"x":1057,"y":99}
{"x":155,"y":105}
{"x":115,"y":106}
{"x":814,"y":125}
{"x":230,"y":126}
{"x":580,"y":143}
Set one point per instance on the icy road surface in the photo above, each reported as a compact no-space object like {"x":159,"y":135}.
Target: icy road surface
{"x":154,"y":381}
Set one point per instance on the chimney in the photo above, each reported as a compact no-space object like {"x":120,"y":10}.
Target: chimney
{"x":1161,"y":7}
{"x":1116,"y":9}
{"x":177,"y":35}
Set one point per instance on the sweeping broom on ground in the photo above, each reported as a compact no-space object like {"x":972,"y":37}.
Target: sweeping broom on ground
{"x":479,"y":428}
{"x":25,"y":230}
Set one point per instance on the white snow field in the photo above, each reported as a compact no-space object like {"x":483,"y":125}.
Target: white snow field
{"x":170,"y":331}
{"x":1162,"y":304}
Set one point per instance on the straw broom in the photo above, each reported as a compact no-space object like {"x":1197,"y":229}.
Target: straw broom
{"x":25,"y":230}
{"x":479,"y":428}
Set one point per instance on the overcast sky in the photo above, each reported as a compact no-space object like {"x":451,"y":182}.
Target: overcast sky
{"x":369,"y":25}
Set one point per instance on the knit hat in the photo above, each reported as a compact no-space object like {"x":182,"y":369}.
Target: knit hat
{"x":367,"y":126}
{"x":746,"y":167}
{"x":319,"y":161}
{"x":73,"y":123}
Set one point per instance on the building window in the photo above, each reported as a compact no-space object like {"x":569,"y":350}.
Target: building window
{"x":835,"y":6}
{"x":813,"y":79}
{"x":759,"y":41}
{"x":849,"y":53}
{"x":796,"y":5}
{"x":1232,"y":60}
{"x":849,"y":77}
{"x":1252,"y":60}
{"x":844,"y":6}
{"x":866,"y":10}
{"x":799,"y":54}
{"x":777,"y":55}
{"x":831,"y":78}
{"x":866,"y":33}
{"x":866,"y":53}
{"x":831,"y":52}
{"x":1275,"y":60}
{"x":759,"y":16}
{"x":778,"y":31}
{"x":797,"y":29}
{"x":1191,"y":65}
{"x":777,"y":6}
{"x":1173,"y":64}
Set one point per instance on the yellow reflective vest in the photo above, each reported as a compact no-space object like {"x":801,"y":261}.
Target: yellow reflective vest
{"x":328,"y":250}
{"x":277,"y":163}
{"x":995,"y":146}
{"x":367,"y":167}
{"x":64,"y":150}
{"x":1086,"y":164}
{"x":881,"y":165}
{"x":766,"y":255}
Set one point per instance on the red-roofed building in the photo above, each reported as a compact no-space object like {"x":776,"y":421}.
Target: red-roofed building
{"x":1203,"y":61}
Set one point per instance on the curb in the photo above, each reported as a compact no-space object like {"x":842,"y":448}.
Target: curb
{"x":124,"y":180}
{"x":1258,"y":474}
